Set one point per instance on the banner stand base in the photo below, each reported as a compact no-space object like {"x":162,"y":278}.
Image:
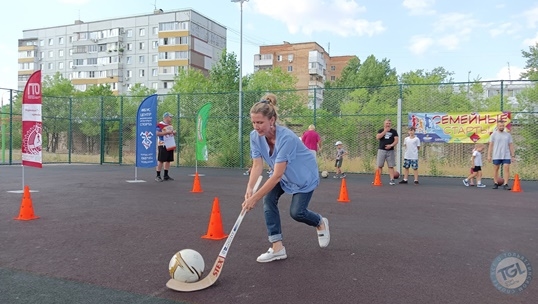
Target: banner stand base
{"x":20,"y":191}
{"x":136,"y":181}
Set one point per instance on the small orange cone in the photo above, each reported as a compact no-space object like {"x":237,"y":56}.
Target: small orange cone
{"x":377,"y":178}
{"x":517,"y":186}
{"x":196,"y":186}
{"x":343,"y":198}
{"x":215,"y":230}
{"x":26,"y":212}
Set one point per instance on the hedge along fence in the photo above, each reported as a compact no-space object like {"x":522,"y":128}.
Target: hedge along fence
{"x":102,"y":129}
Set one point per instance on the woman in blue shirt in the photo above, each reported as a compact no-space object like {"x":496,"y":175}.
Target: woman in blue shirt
{"x":294,"y":171}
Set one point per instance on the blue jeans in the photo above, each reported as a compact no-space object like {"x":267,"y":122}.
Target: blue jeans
{"x":298,"y":211}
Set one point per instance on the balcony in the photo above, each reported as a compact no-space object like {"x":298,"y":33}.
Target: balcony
{"x":263,"y":60}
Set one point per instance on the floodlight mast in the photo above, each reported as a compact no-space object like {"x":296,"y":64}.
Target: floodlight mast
{"x":240,"y":131}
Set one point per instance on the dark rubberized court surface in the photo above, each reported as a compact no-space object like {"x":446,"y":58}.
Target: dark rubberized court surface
{"x":100,"y":239}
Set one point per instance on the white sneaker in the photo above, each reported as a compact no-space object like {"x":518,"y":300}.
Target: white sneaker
{"x":270,"y":255}
{"x":324,"y":236}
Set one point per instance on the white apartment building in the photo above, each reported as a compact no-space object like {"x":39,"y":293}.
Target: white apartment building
{"x":147,"y":49}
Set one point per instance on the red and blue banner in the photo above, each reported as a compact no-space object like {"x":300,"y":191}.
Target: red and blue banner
{"x":32,"y":139}
{"x":146,"y":133}
{"x":470,"y":127}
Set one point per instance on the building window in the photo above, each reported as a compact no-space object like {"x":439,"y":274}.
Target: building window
{"x":155,"y":85}
{"x":141,"y":45}
{"x":333,"y":68}
{"x":51,"y":65}
{"x":155,"y":44}
{"x":142,"y":32}
{"x":153,"y":72}
{"x":155,"y":58}
{"x":129,"y":33}
{"x":128,"y":60}
{"x":61,"y":40}
{"x":51,"y":54}
{"x":141,"y":73}
{"x":333,"y":78}
{"x":41,"y":42}
{"x":290,"y":57}
{"x":60,"y":65}
{"x":51,"y":41}
{"x":60,"y":53}
{"x":129,"y":73}
{"x":279,"y":58}
{"x":155,"y":30}
{"x":165,"y":85}
{"x":290,"y":68}
{"x":141,"y":59}
{"x":169,"y":26}
{"x":129,"y":46}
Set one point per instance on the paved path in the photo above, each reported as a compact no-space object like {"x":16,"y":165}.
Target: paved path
{"x":100,"y":239}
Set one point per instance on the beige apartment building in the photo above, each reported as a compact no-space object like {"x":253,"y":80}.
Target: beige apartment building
{"x":149,"y":49}
{"x":308,"y":61}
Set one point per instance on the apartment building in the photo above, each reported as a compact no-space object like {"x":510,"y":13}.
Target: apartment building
{"x":149,"y":49}
{"x":308,"y":61}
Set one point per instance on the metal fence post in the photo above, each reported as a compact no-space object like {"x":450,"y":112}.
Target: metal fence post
{"x":102,"y":131}
{"x":120,"y":139}
{"x":70,"y":135}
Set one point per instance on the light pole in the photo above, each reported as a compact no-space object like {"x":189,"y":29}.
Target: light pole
{"x":240,"y":132}
{"x":468,"y":82}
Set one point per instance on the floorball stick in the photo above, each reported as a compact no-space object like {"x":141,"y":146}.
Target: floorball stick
{"x":219,"y":263}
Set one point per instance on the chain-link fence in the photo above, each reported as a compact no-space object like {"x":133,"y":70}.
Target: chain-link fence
{"x":102,"y":129}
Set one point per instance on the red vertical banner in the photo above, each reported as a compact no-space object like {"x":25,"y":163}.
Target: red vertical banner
{"x":31,"y":122}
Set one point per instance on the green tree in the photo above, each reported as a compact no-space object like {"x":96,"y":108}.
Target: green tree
{"x":56,"y":106}
{"x":91,"y":109}
{"x":224,"y":74}
{"x":531,"y":63}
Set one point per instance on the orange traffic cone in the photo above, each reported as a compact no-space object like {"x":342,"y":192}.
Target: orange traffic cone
{"x":215,"y":230}
{"x":377,"y":178}
{"x":343,"y":198}
{"x":517,"y":186}
{"x":196,"y":186}
{"x":26,"y":212}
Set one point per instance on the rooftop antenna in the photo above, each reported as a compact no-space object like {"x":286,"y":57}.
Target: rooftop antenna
{"x":329,"y":48}
{"x":509,"y":77}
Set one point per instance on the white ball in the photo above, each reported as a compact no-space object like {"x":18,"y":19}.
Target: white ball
{"x":187,"y":266}
{"x":324,"y":174}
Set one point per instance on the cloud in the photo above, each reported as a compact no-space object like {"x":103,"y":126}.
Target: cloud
{"x":450,"y":42}
{"x":76,"y":2}
{"x":454,"y":29}
{"x":531,"y":17}
{"x":506,"y":28}
{"x":340,"y":17}
{"x":419,"y":7}
{"x":508,"y":74}
{"x":531,"y":41}
{"x":420,"y":44}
